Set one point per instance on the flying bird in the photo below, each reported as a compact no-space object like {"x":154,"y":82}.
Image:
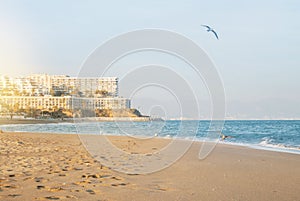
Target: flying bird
{"x":210,"y":29}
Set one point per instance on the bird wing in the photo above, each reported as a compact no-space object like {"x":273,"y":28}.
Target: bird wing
{"x":205,"y":26}
{"x":215,"y":34}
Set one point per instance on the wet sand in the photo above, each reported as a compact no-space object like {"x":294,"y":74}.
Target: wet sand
{"x":57,"y":167}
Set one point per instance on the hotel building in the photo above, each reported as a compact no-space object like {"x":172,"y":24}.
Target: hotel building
{"x":64,"y":102}
{"x":87,"y":86}
{"x":42,"y":91}
{"x":43,"y":84}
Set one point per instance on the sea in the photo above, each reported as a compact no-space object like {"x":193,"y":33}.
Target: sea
{"x":273,"y":135}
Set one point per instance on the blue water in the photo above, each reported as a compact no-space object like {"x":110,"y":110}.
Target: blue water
{"x":277,"y":135}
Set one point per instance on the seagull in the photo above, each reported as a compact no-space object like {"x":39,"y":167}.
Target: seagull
{"x":210,"y":29}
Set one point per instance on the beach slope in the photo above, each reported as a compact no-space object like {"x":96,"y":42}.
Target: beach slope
{"x":57,"y":167}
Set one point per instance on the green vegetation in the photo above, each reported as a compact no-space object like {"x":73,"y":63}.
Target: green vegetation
{"x":29,"y":112}
{"x":118,"y":113}
{"x":101,"y":93}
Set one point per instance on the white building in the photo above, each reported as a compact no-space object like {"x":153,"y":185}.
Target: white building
{"x":7,"y":85}
{"x":88,"y":86}
{"x":43,"y":84}
{"x":36,"y":91}
{"x":100,"y":103}
{"x":24,"y":86}
{"x":63,"y":102}
{"x":36,"y":102}
{"x":40,"y":83}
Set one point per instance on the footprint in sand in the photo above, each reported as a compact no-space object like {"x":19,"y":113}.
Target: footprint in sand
{"x":10,"y":186}
{"x":38,"y":179}
{"x":65,"y":169}
{"x":40,"y":187}
{"x":55,"y":189}
{"x":119,"y":184}
{"x":90,"y":191}
{"x":115,"y":178}
{"x":52,"y":198}
{"x":158,"y":187}
{"x":13,"y":195}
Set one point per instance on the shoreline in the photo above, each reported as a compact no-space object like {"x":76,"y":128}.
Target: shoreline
{"x":271,"y":148}
{"x":39,"y":166}
{"x":7,"y":121}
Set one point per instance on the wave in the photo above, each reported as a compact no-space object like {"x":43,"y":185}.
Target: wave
{"x":268,"y":143}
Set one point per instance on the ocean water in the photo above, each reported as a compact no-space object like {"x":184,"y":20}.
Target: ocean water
{"x":275,"y":135}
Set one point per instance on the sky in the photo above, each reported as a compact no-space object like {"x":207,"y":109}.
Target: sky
{"x":257,"y":55}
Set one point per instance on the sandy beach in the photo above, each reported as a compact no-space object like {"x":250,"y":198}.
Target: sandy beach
{"x":57,"y":167}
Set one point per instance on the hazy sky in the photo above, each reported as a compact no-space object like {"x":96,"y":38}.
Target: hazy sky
{"x":257,"y":54}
